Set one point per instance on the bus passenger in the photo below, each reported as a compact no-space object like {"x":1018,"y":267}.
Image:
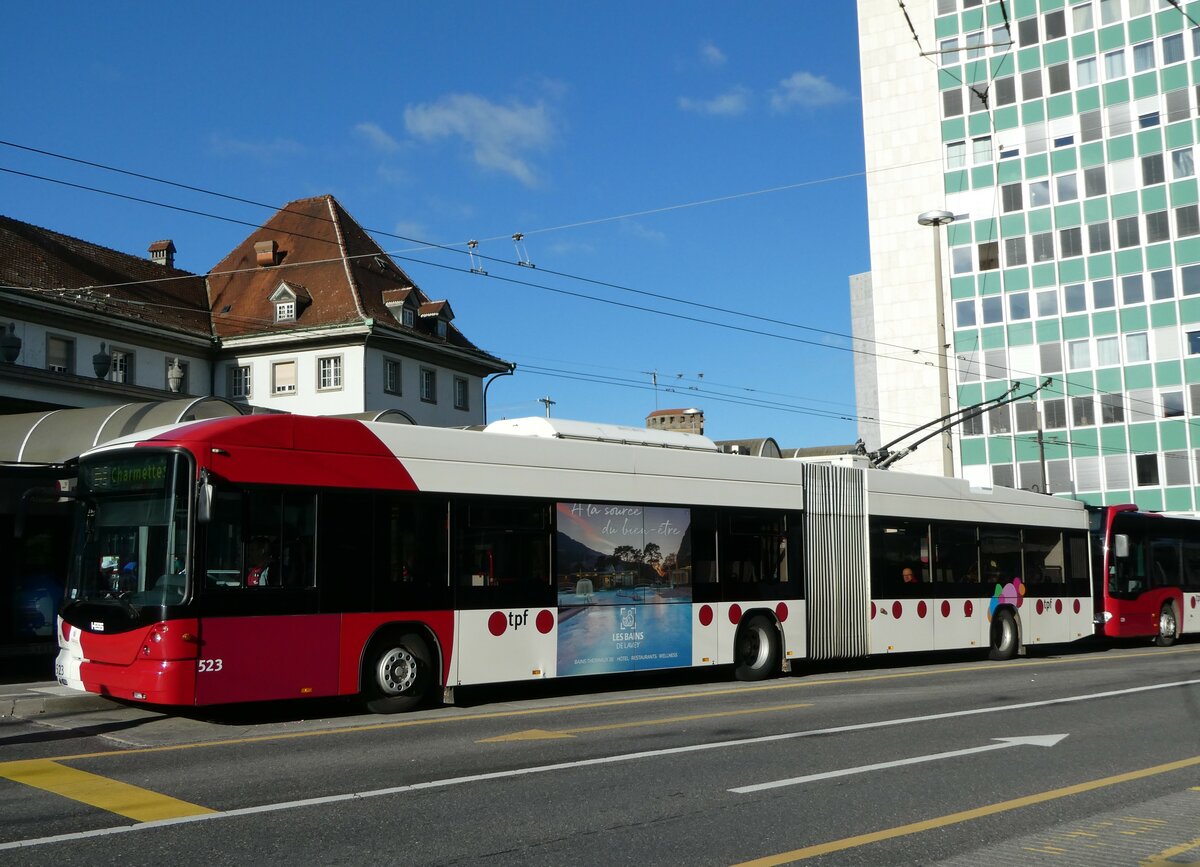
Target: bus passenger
{"x":262,"y":556}
{"x":909,"y":577}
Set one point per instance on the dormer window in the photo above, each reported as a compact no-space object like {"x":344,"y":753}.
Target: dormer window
{"x":409,"y":317}
{"x":441,"y":328}
{"x":439,"y":314}
{"x":289,"y":299}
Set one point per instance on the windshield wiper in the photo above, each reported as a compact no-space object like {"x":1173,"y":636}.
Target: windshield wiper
{"x":123,"y":599}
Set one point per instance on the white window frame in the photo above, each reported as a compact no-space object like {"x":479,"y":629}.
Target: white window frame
{"x":69,"y":345}
{"x":428,"y":383}
{"x":240,"y":381}
{"x":285,"y":311}
{"x":121,"y":367}
{"x":462,"y":393}
{"x":329,"y":373}
{"x":390,"y":364}
{"x":275,"y":367}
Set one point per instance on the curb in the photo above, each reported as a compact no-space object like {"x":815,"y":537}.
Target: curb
{"x":34,"y":705}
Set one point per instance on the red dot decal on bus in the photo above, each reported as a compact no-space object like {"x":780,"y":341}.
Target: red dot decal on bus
{"x":706,"y":615}
{"x":497,"y":623}
{"x":1193,"y":602}
{"x":545,"y":622}
{"x":1040,"y":606}
{"x":1076,"y":606}
{"x":968,"y":608}
{"x":897,"y":610}
{"x":781,"y":611}
{"x":872,"y":610}
{"x":945,"y":608}
{"x":735,"y":613}
{"x":1058,"y":606}
{"x":922,"y":610}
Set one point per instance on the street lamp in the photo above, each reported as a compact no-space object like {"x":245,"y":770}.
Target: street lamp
{"x":937,"y":219}
{"x":691,"y":414}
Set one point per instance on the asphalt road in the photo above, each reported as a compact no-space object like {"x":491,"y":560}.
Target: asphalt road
{"x":1080,"y":755}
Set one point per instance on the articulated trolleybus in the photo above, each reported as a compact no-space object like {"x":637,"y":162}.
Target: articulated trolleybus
{"x":278,"y":556}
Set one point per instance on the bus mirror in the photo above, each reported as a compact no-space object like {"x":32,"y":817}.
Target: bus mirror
{"x":204,"y":499}
{"x":1121,"y":544}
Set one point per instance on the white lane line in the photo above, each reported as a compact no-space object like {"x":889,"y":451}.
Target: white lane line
{"x":583,"y":763}
{"x":1031,"y":741}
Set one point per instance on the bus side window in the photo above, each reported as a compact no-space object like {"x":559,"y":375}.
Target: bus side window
{"x":956,"y":554}
{"x":1130,"y":576}
{"x":224,"y":569}
{"x":1166,"y":571}
{"x":1191,"y":565}
{"x":1044,"y":556}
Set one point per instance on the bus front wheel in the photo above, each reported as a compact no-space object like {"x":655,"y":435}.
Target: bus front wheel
{"x":756,"y":649}
{"x":1168,"y":626}
{"x":399,"y":673}
{"x":1004,"y":635}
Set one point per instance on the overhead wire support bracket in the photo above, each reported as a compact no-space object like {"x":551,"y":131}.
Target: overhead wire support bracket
{"x":522,"y":254}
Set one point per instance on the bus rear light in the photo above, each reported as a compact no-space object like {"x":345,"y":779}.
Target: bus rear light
{"x":66,"y":630}
{"x":306,"y":690}
{"x":189,"y":638}
{"x":537,"y":672}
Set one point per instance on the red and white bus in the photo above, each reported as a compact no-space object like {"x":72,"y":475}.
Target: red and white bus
{"x":279,"y":556}
{"x":1149,"y":583}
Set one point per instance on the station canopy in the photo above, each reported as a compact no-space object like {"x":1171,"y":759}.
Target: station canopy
{"x":56,"y":436}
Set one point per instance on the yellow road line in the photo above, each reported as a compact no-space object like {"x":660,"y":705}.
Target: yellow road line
{"x":965,"y":815}
{"x":133,"y":802}
{"x":571,"y":708}
{"x":542,"y":734}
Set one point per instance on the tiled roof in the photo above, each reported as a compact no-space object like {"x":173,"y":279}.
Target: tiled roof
{"x":42,"y":263}
{"x":348,"y":276}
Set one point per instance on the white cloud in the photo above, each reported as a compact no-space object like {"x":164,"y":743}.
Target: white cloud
{"x":227,"y":146}
{"x":712,"y":55}
{"x":728,"y":104}
{"x":638,"y":230}
{"x":410,"y":229}
{"x":500,"y":136}
{"x":374,"y":135}
{"x":805,"y":90}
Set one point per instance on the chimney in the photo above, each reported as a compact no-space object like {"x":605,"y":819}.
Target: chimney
{"x":265,"y":253}
{"x":163,"y":253}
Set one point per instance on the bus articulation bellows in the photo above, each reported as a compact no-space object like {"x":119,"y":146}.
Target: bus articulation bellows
{"x":278,"y":556}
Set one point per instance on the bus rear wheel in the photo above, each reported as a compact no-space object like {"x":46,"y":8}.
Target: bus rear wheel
{"x":756,"y":649}
{"x":398,"y":675}
{"x":1168,"y":626}
{"x":1004,"y":635}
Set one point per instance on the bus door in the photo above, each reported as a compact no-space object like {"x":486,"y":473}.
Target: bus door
{"x":261,"y":636}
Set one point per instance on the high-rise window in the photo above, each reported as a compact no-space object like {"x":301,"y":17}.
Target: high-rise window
{"x":1158,"y":227}
{"x":1152,"y":170}
{"x":1031,"y":84}
{"x":1039,"y":194}
{"x":1018,"y":306}
{"x":1014,"y":251}
{"x":1083,"y":411}
{"x":1081,"y":17}
{"x":1163,"y":284}
{"x":1099,"y":237}
{"x":1112,"y":408}
{"x":1004,"y":90}
{"x":1143,"y":56}
{"x":964,"y":313}
{"x":982,"y":150}
{"x":1110,"y":11}
{"x":1137,"y":347}
{"x":1103,"y":295}
{"x":1070,"y":242}
{"x":1085,"y":72}
{"x":1056,"y":25}
{"x":1187,"y":221}
{"x":1114,"y":64}
{"x":1010,"y":195}
{"x":1066,"y":187}
{"x":1027,"y":32}
{"x":1127,"y":232}
{"x":1093,"y":182}
{"x":956,"y":154}
{"x":1060,"y":77}
{"x":949,"y":50}
{"x":952,"y":104}
{"x":1043,"y":247}
{"x":1091,"y":126}
{"x":1172,"y":48}
{"x":1182,"y":164}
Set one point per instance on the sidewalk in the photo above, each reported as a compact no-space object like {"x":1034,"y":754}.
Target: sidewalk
{"x":29,"y":700}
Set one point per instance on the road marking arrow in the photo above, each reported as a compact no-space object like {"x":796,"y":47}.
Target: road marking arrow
{"x":1004,"y":743}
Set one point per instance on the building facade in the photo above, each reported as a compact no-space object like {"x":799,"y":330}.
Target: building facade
{"x":1061,"y":137}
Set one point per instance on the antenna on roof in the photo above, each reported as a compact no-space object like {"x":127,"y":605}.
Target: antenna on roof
{"x":548,"y":402}
{"x":522,"y":253}
{"x":476,"y":263}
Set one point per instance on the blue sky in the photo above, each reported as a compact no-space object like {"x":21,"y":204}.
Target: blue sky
{"x":447,"y":121}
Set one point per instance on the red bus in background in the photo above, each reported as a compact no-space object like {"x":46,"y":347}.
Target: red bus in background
{"x":1149,"y":581}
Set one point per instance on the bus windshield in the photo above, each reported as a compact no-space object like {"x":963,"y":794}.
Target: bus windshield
{"x":131,"y":530}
